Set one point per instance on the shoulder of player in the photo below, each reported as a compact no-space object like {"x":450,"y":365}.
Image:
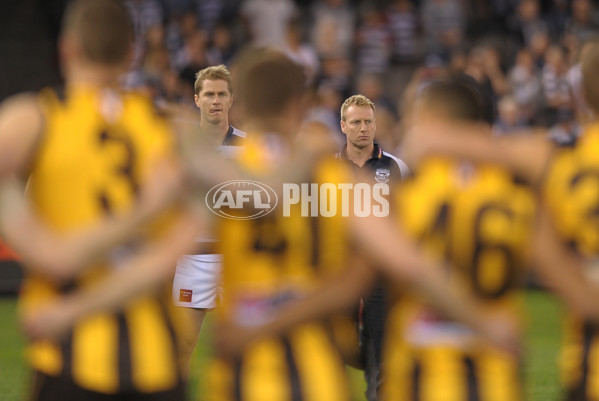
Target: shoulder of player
{"x":396,"y":161}
{"x":149,"y":119}
{"x":569,"y":161}
{"x":23,"y":102}
{"x":233,"y":142}
{"x":21,"y":126}
{"x":140,"y":101}
{"x":239,"y":133}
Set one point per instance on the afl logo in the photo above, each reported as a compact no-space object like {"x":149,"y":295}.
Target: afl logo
{"x":241,"y":199}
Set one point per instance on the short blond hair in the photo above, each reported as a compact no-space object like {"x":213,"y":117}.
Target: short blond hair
{"x":214,"y":73}
{"x":356,"y":100}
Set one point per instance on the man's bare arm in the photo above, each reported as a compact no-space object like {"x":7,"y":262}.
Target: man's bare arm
{"x":335,"y":295}
{"x":562,"y":271}
{"x":61,"y":257}
{"x":526,"y":154}
{"x":21,"y":124}
{"x":152,"y":266}
{"x":399,"y":259}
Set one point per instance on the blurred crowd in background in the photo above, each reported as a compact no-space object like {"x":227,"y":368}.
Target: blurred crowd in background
{"x":523,"y":53}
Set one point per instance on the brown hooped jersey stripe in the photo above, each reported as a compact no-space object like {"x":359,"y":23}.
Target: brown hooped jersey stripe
{"x":96,"y":147}
{"x":479,"y":222}
{"x":268,"y":261}
{"x":571,"y":192}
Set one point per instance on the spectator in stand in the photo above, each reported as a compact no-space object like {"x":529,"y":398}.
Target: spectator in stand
{"x":193,"y":52}
{"x":371,"y":85}
{"x":566,"y":129}
{"x":267,"y":20}
{"x":180,"y":27}
{"x":222,"y":48}
{"x":556,"y":92}
{"x":582,"y":25}
{"x":336,"y":72}
{"x":557,"y":18}
{"x":527,"y":22}
{"x":145,"y":15}
{"x":156,"y":64}
{"x":208,"y":13}
{"x":173,"y":8}
{"x":333,"y":28}
{"x":444,"y":25}
{"x":325,"y":110}
{"x":510,"y":118}
{"x":458,"y":61}
{"x":403,"y":25}
{"x":155,"y":61}
{"x":373,"y":42}
{"x":155,"y":38}
{"x":525,"y":84}
{"x":300,"y":51}
{"x":500,"y":13}
{"x":475,"y":68}
{"x":491,"y":64}
{"x":192,"y":58}
{"x":538,"y":47}
{"x":170,"y":89}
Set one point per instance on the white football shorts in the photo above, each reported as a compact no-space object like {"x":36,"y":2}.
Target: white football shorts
{"x":196,"y":282}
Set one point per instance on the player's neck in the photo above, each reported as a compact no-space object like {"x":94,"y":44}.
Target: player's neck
{"x":94,"y":75}
{"x":275,"y":125}
{"x":359,"y":155}
{"x":216,"y":131}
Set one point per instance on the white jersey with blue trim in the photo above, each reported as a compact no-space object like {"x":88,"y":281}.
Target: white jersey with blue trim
{"x":233,"y":142}
{"x":195,"y":284}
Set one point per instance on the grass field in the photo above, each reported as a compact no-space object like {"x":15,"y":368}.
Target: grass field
{"x":540,"y":369}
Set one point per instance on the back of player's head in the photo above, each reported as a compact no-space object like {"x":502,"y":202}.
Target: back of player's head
{"x":214,"y":73}
{"x":590,"y":79}
{"x":356,"y":100}
{"x":457,"y":98}
{"x":102,"y":27}
{"x":267,"y":82}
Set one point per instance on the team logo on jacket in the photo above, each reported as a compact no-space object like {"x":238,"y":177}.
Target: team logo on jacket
{"x":241,"y":199}
{"x":382,"y":175}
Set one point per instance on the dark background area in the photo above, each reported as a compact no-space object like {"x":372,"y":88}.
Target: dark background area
{"x":28,"y":32}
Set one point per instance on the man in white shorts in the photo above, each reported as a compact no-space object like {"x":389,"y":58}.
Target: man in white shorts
{"x":195,"y":285}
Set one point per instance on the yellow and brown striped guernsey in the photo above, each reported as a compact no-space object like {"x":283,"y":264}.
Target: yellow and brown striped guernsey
{"x":571,"y":191}
{"x":96,"y":147}
{"x":480,"y":222}
{"x":267,"y":262}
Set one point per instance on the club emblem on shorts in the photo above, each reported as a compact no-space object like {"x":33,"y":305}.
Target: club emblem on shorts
{"x":185,"y":295}
{"x":241,"y":199}
{"x":382,"y":175}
